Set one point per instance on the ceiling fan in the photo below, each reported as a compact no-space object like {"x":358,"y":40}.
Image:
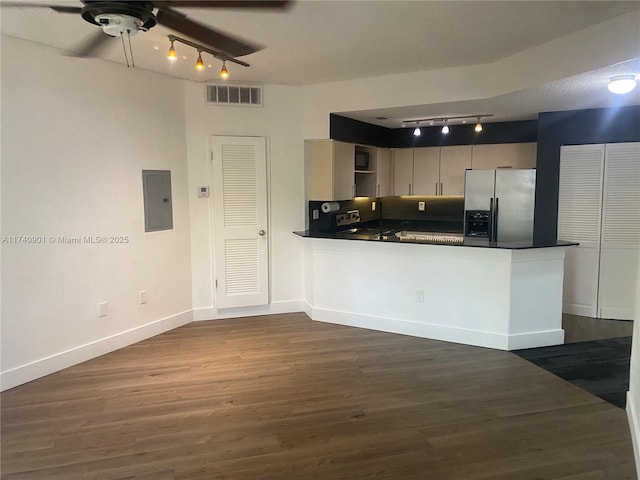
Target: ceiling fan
{"x":122,"y":17}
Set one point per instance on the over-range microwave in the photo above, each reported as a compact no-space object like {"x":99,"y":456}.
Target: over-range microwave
{"x":362,"y":161}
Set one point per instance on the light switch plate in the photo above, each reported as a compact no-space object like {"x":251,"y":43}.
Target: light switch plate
{"x":421,"y":206}
{"x":373,"y":206}
{"x":203,"y":192}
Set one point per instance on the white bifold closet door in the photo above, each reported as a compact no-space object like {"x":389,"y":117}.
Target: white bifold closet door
{"x":620,"y":231}
{"x":579,"y":218}
{"x":599,"y":207}
{"x":240,"y":221}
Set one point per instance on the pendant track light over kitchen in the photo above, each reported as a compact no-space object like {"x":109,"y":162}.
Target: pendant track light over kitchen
{"x":478,"y":127}
{"x":200,"y":65}
{"x":446,"y":121}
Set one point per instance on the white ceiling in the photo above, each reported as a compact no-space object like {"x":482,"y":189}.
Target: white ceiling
{"x":325,"y":41}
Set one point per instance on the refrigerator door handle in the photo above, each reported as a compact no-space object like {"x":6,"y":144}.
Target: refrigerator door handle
{"x":495,"y":220}
{"x":491,"y":220}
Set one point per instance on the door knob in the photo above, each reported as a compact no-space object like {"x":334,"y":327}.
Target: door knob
{"x":261,"y":233}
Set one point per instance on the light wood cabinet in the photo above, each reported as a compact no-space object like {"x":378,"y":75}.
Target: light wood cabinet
{"x":431,"y":170}
{"x":402,"y":171}
{"x":426,"y":171}
{"x":454,"y":161}
{"x":383,"y":172}
{"x":503,"y":155}
{"x":329,"y":168}
{"x":331,"y":172}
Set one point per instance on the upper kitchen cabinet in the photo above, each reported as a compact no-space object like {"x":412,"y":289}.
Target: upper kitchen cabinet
{"x":426,"y":171}
{"x":383,"y":172}
{"x":430,"y":170}
{"x":453,"y":163}
{"x":402,"y":171}
{"x":504,"y":155}
{"x":330,"y":167}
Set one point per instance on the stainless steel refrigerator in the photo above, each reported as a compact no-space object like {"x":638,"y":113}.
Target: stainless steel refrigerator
{"x":499,"y":204}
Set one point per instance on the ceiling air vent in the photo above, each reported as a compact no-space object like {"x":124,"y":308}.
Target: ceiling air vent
{"x":234,"y":94}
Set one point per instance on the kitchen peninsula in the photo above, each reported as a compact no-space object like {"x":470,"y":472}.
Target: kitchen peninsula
{"x":499,"y":295}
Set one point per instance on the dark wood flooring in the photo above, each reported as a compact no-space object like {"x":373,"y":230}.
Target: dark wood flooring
{"x":283,"y":397}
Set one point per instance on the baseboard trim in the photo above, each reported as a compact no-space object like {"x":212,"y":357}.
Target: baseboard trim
{"x":634,"y":427}
{"x":437,"y":332}
{"x":213,"y":313}
{"x":45,"y":366}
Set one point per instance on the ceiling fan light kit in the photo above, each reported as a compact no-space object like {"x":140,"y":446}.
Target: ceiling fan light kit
{"x":124,"y":18}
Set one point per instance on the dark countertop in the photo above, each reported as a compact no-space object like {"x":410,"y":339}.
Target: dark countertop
{"x":387,"y":236}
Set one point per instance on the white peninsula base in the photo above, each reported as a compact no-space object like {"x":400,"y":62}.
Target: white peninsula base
{"x":500,"y":298}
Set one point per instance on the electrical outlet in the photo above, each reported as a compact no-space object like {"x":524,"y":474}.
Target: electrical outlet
{"x":420,"y":296}
{"x":421,"y":206}
{"x":102,"y":309}
{"x":373,"y":206}
{"x":142,"y":297}
{"x":315,"y":214}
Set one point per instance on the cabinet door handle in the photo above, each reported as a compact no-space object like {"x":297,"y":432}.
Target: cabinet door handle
{"x":410,"y":189}
{"x":378,"y":190}
{"x":440,"y":188}
{"x":436,"y":188}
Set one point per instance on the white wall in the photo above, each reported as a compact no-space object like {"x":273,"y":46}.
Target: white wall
{"x":633,"y":396}
{"x":76,"y":134}
{"x":280,"y":121}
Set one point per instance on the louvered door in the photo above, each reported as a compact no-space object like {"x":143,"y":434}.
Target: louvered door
{"x":579,"y":219}
{"x":240,"y":221}
{"x":620,"y":237}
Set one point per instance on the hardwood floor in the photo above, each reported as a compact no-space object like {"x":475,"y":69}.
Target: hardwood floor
{"x":584,"y":329}
{"x":283,"y":397}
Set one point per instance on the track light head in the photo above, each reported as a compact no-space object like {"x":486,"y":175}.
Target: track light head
{"x":199,"y":63}
{"x":224,"y":73}
{"x":172,"y":56}
{"x":478,"y":127}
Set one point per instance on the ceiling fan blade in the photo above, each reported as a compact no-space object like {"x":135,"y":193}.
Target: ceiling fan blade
{"x":57,"y":8}
{"x":216,"y":40}
{"x":270,"y":4}
{"x":92,"y":45}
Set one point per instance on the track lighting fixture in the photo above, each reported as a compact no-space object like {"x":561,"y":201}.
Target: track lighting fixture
{"x":171,"y":54}
{"x":478,"y":127}
{"x":444,"y":121}
{"x":621,"y":84}
{"x":200,"y":65}
{"x":224,"y":73}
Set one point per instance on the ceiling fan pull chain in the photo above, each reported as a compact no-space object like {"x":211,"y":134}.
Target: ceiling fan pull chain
{"x":124,"y":49}
{"x":133,"y":64}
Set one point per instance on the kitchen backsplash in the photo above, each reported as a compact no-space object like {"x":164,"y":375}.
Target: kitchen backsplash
{"x":447,"y":210}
